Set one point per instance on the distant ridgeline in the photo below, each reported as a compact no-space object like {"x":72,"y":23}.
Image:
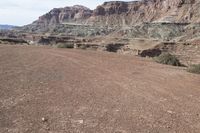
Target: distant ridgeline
{"x":6,"y":27}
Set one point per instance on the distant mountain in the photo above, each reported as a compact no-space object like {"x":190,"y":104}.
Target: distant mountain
{"x":6,"y":27}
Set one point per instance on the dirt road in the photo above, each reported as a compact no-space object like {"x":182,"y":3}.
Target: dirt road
{"x":49,"y":90}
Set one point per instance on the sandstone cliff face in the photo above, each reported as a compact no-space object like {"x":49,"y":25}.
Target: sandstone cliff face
{"x":61,"y":15}
{"x":118,"y":14}
{"x":131,"y":13}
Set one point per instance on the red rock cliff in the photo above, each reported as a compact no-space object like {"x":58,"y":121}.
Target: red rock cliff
{"x":123,"y":14}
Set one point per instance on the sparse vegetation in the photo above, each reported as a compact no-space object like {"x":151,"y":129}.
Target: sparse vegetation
{"x":194,"y":69}
{"x":167,"y":58}
{"x":150,"y":53}
{"x":13,"y":40}
{"x":66,"y":45}
{"x":83,"y":47}
{"x":113,"y":47}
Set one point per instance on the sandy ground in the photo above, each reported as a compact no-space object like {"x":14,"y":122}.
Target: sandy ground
{"x":49,"y":90}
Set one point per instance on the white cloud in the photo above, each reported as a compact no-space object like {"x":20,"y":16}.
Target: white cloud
{"x":22,"y":12}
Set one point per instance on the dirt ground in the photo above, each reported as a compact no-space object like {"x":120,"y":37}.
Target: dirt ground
{"x":49,"y":90}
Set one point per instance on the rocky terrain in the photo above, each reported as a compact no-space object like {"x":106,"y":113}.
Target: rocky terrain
{"x":46,"y":89}
{"x":50,"y":90}
{"x":124,"y":23}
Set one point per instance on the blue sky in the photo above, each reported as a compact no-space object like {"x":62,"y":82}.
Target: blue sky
{"x":22,"y":12}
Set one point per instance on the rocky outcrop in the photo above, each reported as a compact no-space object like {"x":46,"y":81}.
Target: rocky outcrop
{"x":61,"y":15}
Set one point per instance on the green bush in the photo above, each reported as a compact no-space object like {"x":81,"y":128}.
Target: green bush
{"x":168,"y":59}
{"x":194,"y":69}
{"x":66,"y":45}
{"x":83,"y":47}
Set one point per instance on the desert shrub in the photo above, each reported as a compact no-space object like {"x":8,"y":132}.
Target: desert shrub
{"x":168,"y":59}
{"x":150,"y":53}
{"x":113,"y":47}
{"x":13,"y":40}
{"x":194,"y":69}
{"x":65,"y":45}
{"x":83,"y":47}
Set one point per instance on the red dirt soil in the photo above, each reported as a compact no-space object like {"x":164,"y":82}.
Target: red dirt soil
{"x":49,"y":90}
